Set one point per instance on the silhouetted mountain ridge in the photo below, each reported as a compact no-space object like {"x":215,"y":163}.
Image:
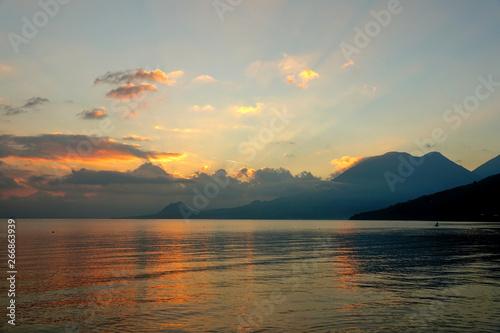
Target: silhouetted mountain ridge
{"x":373,"y":183}
{"x":473,"y":202}
{"x":490,"y":168}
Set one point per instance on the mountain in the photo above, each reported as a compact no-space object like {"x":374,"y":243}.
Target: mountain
{"x":172,"y":211}
{"x":474,"y":202}
{"x":401,"y":175}
{"x":490,"y":168}
{"x":374,"y":183}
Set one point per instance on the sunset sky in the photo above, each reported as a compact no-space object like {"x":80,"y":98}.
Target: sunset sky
{"x":195,"y":87}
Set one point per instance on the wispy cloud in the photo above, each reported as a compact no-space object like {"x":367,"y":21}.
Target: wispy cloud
{"x":367,"y":89}
{"x":248,"y":110}
{"x":185,"y":130}
{"x":203,"y":79}
{"x":4,"y":70}
{"x":294,"y":70}
{"x":136,"y":138}
{"x":31,"y":104}
{"x":133,"y":84}
{"x":130,"y":90}
{"x":60,"y":147}
{"x":206,"y":107}
{"x":347,"y":64}
{"x":96,"y":113}
{"x":139,"y":75}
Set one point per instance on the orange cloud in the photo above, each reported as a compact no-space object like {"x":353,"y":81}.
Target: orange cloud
{"x":132,"y":83}
{"x":204,"y":79}
{"x":5,"y":70}
{"x":166,"y":157}
{"x":306,"y":76}
{"x":294,"y":70}
{"x":135,"y":138}
{"x":244,"y":174}
{"x":347,"y":64}
{"x":344,"y":163}
{"x":140,"y":75}
{"x":97,"y":113}
{"x":151,"y":76}
{"x":75,"y":149}
{"x":130,"y":90}
{"x":173,"y":76}
{"x":132,"y":114}
{"x":245,"y":110}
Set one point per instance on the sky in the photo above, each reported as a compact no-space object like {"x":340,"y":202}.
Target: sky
{"x":266,"y":91}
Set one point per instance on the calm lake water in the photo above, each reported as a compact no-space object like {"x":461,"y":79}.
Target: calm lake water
{"x":261,"y":276}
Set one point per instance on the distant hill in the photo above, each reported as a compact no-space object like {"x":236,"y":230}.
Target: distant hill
{"x":374,"y":183}
{"x":474,"y":202}
{"x":490,"y":168}
{"x":172,"y":211}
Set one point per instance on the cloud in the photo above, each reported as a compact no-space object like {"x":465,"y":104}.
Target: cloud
{"x":30,"y":104}
{"x":248,"y":110}
{"x":91,"y":177}
{"x":147,"y":189}
{"x":282,"y":142}
{"x":369,"y":89}
{"x":347,"y":64}
{"x":70,"y":147}
{"x":136,"y":138}
{"x":7,"y":183}
{"x":206,"y":107}
{"x":5,"y":70}
{"x":268,"y":175}
{"x":271,"y":175}
{"x":130,"y":90}
{"x":132,"y":84}
{"x":34,"y":102}
{"x":344,"y":163}
{"x":96,"y":113}
{"x":139,"y":75}
{"x":185,"y":130}
{"x":306,"y":76}
{"x":202,"y":79}
{"x":293,"y":70}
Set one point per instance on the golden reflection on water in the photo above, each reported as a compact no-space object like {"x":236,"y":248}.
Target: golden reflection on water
{"x":172,"y":276}
{"x":345,"y":263}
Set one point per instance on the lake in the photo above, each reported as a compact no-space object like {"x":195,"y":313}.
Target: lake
{"x":254,"y":276}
